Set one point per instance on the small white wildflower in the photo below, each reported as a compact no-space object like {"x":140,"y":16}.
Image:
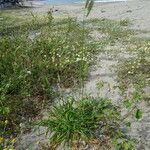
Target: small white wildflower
{"x":28,"y":72}
{"x":133,"y":67}
{"x":58,"y":55}
{"x":78,"y":59}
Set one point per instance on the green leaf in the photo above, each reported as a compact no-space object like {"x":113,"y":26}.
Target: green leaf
{"x":137,"y":96}
{"x":128,"y":124}
{"x":4,"y":110}
{"x":89,"y":5}
{"x":86,"y":4}
{"x":138,"y":114}
{"x":127,"y":103}
{"x":126,"y":146}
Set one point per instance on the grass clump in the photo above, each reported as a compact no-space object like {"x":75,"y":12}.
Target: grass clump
{"x":92,"y":120}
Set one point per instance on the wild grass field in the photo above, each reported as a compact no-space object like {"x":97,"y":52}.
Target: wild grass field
{"x":41,"y":54}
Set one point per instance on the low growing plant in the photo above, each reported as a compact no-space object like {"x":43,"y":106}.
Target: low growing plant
{"x":134,"y":72}
{"x":31,"y":68}
{"x":95,"y":121}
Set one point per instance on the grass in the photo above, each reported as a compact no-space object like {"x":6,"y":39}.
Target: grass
{"x":89,"y":120}
{"x":115,"y":31}
{"x":134,"y":72}
{"x":30,"y":68}
{"x":18,"y":21}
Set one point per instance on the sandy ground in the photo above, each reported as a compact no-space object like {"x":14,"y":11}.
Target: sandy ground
{"x":137,"y":11}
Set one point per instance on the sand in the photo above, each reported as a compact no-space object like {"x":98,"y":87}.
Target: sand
{"x":137,"y":11}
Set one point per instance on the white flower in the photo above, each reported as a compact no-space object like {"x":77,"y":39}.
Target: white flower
{"x":78,"y":59}
{"x":132,"y":67}
{"x":28,"y":72}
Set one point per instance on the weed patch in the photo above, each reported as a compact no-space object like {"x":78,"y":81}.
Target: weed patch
{"x":31,"y":68}
{"x":135,"y":71}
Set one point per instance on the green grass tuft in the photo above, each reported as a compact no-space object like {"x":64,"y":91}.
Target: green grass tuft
{"x":87,"y":120}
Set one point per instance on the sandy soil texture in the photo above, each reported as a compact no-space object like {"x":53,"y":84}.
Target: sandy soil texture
{"x":137,"y":11}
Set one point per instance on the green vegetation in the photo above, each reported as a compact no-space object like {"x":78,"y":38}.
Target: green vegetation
{"x":20,"y":21}
{"x":41,"y":55}
{"x":94,"y":121}
{"x":31,"y":67}
{"x":114,"y":31}
{"x":134,"y":72}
